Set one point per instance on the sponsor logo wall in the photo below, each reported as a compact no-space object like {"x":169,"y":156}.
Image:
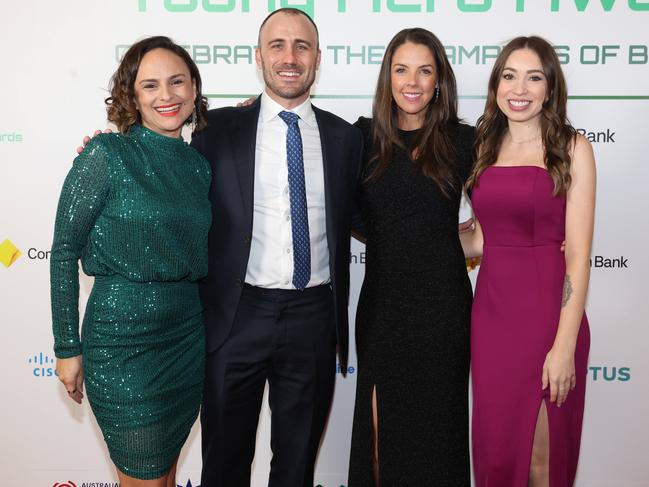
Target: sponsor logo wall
{"x":59,"y":57}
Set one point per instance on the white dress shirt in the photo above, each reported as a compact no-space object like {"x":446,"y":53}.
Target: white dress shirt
{"x":271,"y":253}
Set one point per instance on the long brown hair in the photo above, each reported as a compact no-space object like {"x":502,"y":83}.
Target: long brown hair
{"x":434,"y":155}
{"x":556,"y":132}
{"x":120,"y":105}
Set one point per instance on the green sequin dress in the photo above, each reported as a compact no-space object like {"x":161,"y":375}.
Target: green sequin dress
{"x":134,"y":209}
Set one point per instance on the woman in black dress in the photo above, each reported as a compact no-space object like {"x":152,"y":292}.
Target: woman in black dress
{"x":412,"y":326}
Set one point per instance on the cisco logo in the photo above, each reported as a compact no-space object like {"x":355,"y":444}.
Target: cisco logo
{"x":609,"y":374}
{"x":44,"y":366}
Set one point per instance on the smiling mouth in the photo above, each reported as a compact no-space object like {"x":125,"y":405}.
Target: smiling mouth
{"x":411,"y":96}
{"x":289,"y":73}
{"x":519,"y":103}
{"x":168,"y":110}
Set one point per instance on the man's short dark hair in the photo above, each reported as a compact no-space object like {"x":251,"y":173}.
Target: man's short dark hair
{"x":289,"y":11}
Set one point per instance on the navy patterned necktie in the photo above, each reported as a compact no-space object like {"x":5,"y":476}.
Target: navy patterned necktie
{"x":297,"y":191}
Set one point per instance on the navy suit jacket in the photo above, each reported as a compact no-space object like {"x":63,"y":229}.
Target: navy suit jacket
{"x":228,"y":143}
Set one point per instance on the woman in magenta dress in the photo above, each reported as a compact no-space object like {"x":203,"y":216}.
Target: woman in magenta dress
{"x":533,"y":186}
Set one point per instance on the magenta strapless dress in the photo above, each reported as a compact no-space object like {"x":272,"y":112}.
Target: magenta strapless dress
{"x":514,"y":321}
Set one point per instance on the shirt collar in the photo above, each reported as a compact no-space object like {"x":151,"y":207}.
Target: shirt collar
{"x":270,"y":109}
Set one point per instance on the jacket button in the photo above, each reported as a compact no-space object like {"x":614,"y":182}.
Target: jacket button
{"x":247,"y":240}
{"x":237,"y":282}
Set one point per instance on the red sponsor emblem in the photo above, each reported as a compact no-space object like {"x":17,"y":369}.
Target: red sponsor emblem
{"x":69,"y":483}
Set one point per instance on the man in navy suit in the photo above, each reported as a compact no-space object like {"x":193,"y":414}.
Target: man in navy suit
{"x":284,"y":175}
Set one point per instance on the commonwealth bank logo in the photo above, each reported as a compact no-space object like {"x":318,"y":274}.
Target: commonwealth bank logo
{"x":9,"y":253}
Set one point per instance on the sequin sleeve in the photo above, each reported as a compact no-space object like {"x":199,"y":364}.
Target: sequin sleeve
{"x":82,"y":198}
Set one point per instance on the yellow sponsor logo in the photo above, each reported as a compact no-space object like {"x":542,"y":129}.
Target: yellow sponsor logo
{"x":9,"y":253}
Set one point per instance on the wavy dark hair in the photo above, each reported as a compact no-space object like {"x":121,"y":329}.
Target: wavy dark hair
{"x":557,"y":134}
{"x":120,"y":105}
{"x":434,"y":155}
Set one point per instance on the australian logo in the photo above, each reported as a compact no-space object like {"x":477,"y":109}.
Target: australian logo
{"x":69,"y":483}
{"x":100,"y":484}
{"x":43,"y":366}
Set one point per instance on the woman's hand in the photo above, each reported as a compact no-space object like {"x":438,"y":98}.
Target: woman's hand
{"x":559,"y":374}
{"x":70,"y":372}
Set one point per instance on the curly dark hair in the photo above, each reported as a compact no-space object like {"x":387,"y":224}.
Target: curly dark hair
{"x":557,"y":134}
{"x":120,"y":105}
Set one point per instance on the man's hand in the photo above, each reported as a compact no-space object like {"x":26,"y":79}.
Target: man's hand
{"x":86,"y":139}
{"x":247,"y":102}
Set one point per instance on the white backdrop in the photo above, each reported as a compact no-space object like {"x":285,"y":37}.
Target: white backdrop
{"x":57,"y":60}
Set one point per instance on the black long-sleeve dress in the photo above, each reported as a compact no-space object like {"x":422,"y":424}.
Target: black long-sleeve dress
{"x":412,"y":326}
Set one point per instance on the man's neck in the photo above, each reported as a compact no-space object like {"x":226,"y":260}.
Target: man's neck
{"x":287,"y":103}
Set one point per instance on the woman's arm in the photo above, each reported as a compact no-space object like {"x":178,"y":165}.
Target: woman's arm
{"x":559,"y":367}
{"x":82,"y":198}
{"x":471,"y":238}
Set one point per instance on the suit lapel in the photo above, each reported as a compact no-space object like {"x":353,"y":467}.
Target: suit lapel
{"x":244,"y":140}
{"x":331,"y":142}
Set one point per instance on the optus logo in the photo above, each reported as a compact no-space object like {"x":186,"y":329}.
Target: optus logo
{"x":43,"y":366}
{"x":609,"y":374}
{"x":9,"y":253}
{"x":69,"y":483}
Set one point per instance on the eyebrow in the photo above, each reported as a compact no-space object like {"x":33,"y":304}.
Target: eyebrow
{"x":170,"y":77}
{"x":300,"y":41}
{"x":528,"y":71}
{"x":422,"y":66}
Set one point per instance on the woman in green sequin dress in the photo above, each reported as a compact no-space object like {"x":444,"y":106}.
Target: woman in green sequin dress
{"x":134,"y":209}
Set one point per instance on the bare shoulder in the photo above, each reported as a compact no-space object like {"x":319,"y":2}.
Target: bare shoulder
{"x":583,"y":157}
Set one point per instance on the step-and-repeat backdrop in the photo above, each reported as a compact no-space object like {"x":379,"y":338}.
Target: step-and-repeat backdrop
{"x":57,"y":58}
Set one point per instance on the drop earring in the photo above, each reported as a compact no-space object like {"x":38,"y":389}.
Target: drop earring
{"x":193,"y":120}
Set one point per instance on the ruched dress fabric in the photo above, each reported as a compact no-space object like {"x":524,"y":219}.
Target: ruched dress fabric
{"x":134,"y":209}
{"x":514,"y":322}
{"x":412,"y":326}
